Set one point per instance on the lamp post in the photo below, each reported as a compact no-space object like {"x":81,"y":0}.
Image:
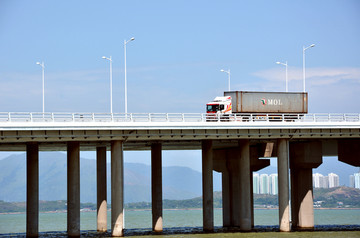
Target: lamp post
{"x":286,"y":77}
{"x":111,"y":105}
{"x":125,"y":42}
{"x":305,"y":48}
{"x":43,"y":85}
{"x":228,"y":72}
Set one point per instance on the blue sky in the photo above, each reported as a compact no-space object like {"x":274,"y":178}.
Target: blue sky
{"x":180,"y":46}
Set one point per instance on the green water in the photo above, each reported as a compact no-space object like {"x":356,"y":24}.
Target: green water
{"x":16,"y":223}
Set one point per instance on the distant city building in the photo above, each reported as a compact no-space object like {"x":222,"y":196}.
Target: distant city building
{"x":264,"y":184}
{"x":333,"y":180}
{"x":357,"y":180}
{"x":273,"y":178}
{"x":352,"y":181}
{"x":256,"y":183}
{"x":321,"y":181}
{"x":318,"y":180}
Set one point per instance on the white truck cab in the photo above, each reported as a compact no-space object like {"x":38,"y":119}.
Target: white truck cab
{"x":220,"y":105}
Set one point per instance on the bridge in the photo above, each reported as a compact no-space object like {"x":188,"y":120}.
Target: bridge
{"x":236,"y":146}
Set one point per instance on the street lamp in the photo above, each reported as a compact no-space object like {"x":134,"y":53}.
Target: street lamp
{"x":286,"y":65}
{"x":125,"y":42}
{"x":305,"y":48}
{"x":43,"y":82}
{"x":228,"y":72}
{"x":111,"y":107}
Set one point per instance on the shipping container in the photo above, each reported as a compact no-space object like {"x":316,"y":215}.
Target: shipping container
{"x":268,"y":102}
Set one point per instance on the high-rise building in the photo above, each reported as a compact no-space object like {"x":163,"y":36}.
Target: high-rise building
{"x":352,"y":181}
{"x":264,"y":184}
{"x":256,"y":183}
{"x":316,"y":180}
{"x":273,"y":178}
{"x":357,"y":180}
{"x":325,"y":183}
{"x":320,"y":181}
{"x":333,"y":180}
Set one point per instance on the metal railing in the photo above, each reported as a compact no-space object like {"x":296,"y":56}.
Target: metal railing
{"x":175,"y":117}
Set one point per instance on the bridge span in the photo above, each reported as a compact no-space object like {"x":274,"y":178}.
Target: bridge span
{"x":235,"y":145}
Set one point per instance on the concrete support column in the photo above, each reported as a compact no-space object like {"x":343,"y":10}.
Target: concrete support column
{"x":101,"y":189}
{"x":156,"y":187}
{"x":73,"y":188}
{"x":235,"y":188}
{"x":117,"y":189}
{"x":245,"y":197}
{"x":226,"y":203}
{"x":252,"y":199}
{"x":303,"y":157}
{"x":302,"y":198}
{"x":207,"y":179}
{"x":283,"y":184}
{"x":32,"y":189}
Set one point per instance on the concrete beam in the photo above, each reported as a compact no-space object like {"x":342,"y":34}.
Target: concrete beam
{"x":207,"y":181}
{"x":117,"y":188}
{"x":306,"y":154}
{"x":73,"y":188}
{"x":330,"y":147}
{"x":32,"y":189}
{"x":156,"y":187}
{"x":349,"y":151}
{"x":101,"y":189}
{"x":257,"y":151}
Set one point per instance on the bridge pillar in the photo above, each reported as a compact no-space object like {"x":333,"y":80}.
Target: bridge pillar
{"x":156,"y":187}
{"x":226,"y":201}
{"x":233,"y":166}
{"x":303,"y":157}
{"x":73,"y":188}
{"x":32,"y":189}
{"x":117,"y":188}
{"x":101,"y":189}
{"x":245,"y":183}
{"x":207,"y":181}
{"x":283,"y":184}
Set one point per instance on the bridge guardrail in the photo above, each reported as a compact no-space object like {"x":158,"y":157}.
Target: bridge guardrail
{"x":175,"y":117}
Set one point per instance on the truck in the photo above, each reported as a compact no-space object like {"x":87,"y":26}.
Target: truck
{"x":262,"y":104}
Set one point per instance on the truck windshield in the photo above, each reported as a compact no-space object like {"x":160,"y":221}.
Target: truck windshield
{"x":212,"y":108}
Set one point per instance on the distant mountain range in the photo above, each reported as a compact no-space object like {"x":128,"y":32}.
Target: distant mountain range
{"x":178,"y":182}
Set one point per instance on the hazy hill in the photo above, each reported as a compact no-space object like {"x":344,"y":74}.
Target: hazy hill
{"x":178,"y":182}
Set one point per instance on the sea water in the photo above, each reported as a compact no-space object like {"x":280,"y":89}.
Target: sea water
{"x":141,"y":219}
